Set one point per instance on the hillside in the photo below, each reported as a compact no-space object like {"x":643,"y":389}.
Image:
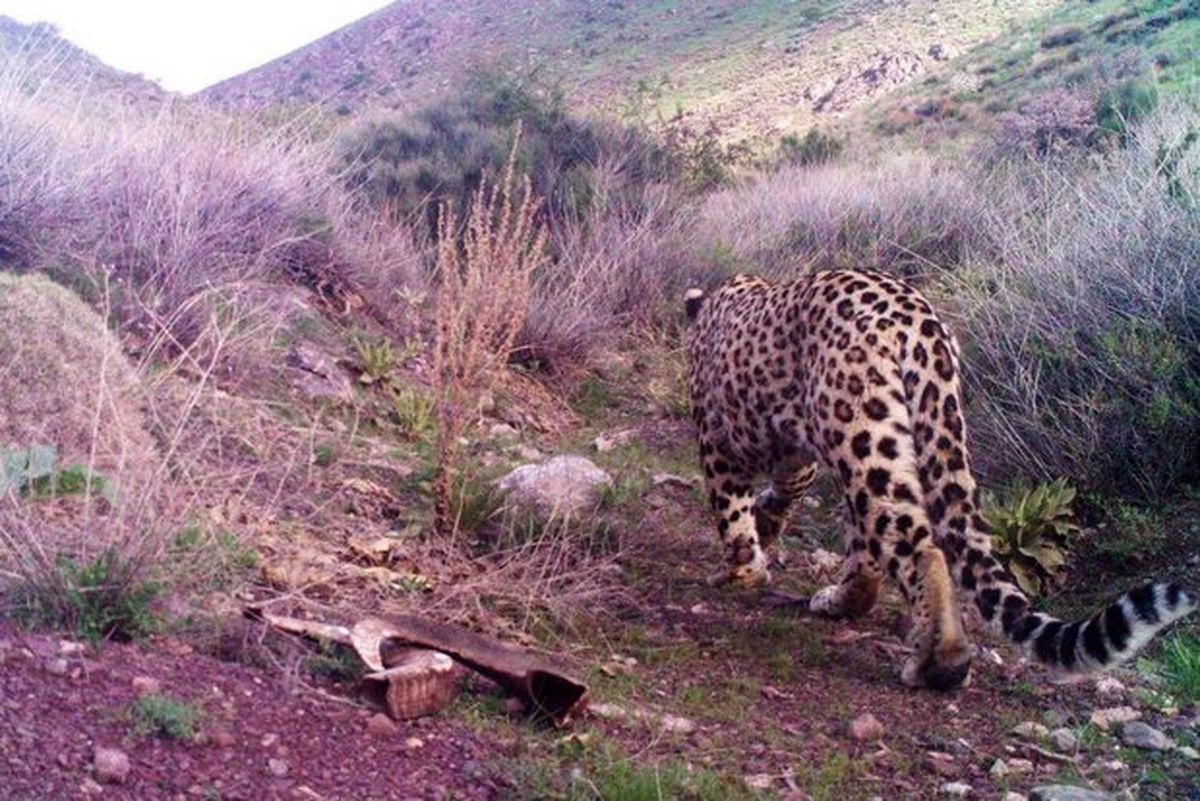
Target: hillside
{"x":41,"y":57}
{"x":756,"y":69}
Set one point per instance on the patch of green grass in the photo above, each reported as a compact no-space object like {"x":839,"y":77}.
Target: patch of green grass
{"x":1179,"y":667}
{"x":213,"y":559}
{"x":592,"y":398}
{"x":838,"y":778}
{"x":163,"y":716}
{"x":776,"y":634}
{"x":325,"y":454}
{"x":605,"y":774}
{"x":334,"y":662}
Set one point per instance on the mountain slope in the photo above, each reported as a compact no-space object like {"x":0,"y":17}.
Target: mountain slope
{"x":756,"y":68}
{"x":42,"y":58}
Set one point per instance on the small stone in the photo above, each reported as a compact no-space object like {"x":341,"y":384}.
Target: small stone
{"x":223,"y":739}
{"x":942,"y":764}
{"x":998,"y":770}
{"x":956,"y":789}
{"x":1029,"y":730}
{"x":70,"y":648}
{"x":112,"y":766}
{"x":1056,"y":718}
{"x":57,"y":666}
{"x":866,"y":727}
{"x":277,"y":768}
{"x":1064,"y":740}
{"x":514,"y":707}
{"x":1188,"y":752}
{"x":1139,"y":735}
{"x":502,"y":431}
{"x":145,"y":685}
{"x":1108,"y":687}
{"x":1103,"y":719}
{"x":613,"y":440}
{"x":1113,"y":766}
{"x":380,"y":725}
{"x":1011,"y":796}
{"x":676,"y":724}
{"x":758,"y":781}
{"x":1017,"y":765}
{"x":90,"y":787}
{"x":1065,"y":792}
{"x":64,"y":760}
{"x":660,"y":479}
{"x":269,"y":740}
{"x":413,"y":743}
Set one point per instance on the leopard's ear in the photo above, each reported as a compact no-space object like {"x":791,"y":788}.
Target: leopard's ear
{"x":693,"y":299}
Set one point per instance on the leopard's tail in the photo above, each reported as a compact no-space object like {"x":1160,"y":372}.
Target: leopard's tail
{"x":693,"y":299}
{"x":1099,"y":641}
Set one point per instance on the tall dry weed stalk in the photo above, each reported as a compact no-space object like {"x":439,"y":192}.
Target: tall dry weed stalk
{"x":484,"y":285}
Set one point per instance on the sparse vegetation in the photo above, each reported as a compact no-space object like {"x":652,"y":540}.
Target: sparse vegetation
{"x":164,"y":716}
{"x":1032,"y":531}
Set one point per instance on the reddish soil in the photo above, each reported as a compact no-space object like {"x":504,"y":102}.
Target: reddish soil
{"x":50,"y":724}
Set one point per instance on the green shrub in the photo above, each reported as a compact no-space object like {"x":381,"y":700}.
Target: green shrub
{"x":815,"y":147}
{"x":1179,"y":667}
{"x":414,"y":413}
{"x":163,"y":716}
{"x":1031,"y":531}
{"x":1122,"y":107}
{"x":376,"y":359}
{"x":99,"y":600}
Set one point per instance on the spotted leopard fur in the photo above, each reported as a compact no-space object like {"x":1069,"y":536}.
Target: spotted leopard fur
{"x":854,"y":371}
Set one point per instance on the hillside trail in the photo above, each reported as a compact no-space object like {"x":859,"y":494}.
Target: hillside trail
{"x":696,"y":693}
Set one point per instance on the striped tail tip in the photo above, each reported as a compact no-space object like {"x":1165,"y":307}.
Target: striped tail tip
{"x":1108,"y":637}
{"x":693,"y":299}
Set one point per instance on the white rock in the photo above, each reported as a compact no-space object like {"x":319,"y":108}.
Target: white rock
{"x":956,"y":789}
{"x":998,"y":770}
{"x":502,"y":431}
{"x":614,"y":439}
{"x":1064,"y":740}
{"x":278,"y":767}
{"x":1188,"y":752}
{"x":866,"y":727}
{"x":758,"y":781}
{"x":1030,"y":730}
{"x":1063,"y":792}
{"x":560,"y":487}
{"x":1011,"y":796}
{"x":1108,"y":687}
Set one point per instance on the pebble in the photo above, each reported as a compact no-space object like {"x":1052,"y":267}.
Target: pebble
{"x":1030,"y":730}
{"x":112,"y":766}
{"x":1065,"y":792}
{"x":866,"y":727}
{"x":956,"y":789}
{"x":1104,"y":718}
{"x":277,"y":767}
{"x":380,"y":725}
{"x":223,"y":739}
{"x":1064,"y":740}
{"x":998,"y":770}
{"x":1139,"y":735}
{"x":145,"y":685}
{"x":57,"y":666}
{"x":1011,"y":796}
{"x":413,"y":743}
{"x":942,"y":764}
{"x":1113,"y":766}
{"x":1108,"y":687}
{"x":758,"y":781}
{"x":1188,"y":752}
{"x":90,"y":787}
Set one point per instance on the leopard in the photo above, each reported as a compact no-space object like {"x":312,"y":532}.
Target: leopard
{"x":853,"y":372}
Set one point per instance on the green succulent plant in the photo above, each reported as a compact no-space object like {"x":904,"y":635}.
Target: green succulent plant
{"x":1032,"y":531}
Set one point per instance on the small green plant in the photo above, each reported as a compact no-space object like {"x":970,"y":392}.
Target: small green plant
{"x":325,"y":454}
{"x":376,"y":359}
{"x":1031,"y":530}
{"x":215,"y":559}
{"x":35,"y":471}
{"x":104,"y":598}
{"x":414,"y":412}
{"x":334,"y":662}
{"x":164,"y":716}
{"x":1180,"y":668}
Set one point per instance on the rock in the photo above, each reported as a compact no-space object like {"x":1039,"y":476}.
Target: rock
{"x":1016,"y":765}
{"x":676,"y":725}
{"x":413,"y":743}
{"x":223,"y":739}
{"x":1103,"y":719}
{"x":1029,"y":730}
{"x":90,"y":787}
{"x":562,"y":486}
{"x":316,"y":375}
{"x":1188,"y":752}
{"x":145,"y":685}
{"x":942,"y":764}
{"x":502,"y":431}
{"x":70,"y":648}
{"x":1139,"y":735}
{"x":866,"y":727}
{"x":614,"y":439}
{"x":1011,"y":796}
{"x":278,"y":768}
{"x":57,"y":666}
{"x":1112,"y":766}
{"x":528,"y":453}
{"x":955,"y":789}
{"x":1108,"y":687}
{"x":941,"y":52}
{"x":1056,"y":718}
{"x":1065,"y":792}
{"x":825,"y":560}
{"x":998,"y":770}
{"x":380,"y":725}
{"x":758,"y":781}
{"x":112,"y":766}
{"x":1064,"y":740}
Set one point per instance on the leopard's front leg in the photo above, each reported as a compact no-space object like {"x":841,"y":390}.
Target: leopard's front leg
{"x":731,"y":495}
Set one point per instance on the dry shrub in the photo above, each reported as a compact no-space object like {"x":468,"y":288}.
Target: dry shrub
{"x":484,"y":285}
{"x":905,"y":214}
{"x":621,"y":267}
{"x":1054,"y":122}
{"x":1082,"y":338}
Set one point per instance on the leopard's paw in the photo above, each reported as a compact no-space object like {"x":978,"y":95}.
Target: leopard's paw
{"x":827,"y":602}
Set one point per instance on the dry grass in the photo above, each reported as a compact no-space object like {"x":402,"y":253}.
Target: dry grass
{"x":906,"y":214}
{"x":484,"y":285}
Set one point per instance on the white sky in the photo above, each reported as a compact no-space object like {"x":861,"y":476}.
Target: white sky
{"x":188,"y":44}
